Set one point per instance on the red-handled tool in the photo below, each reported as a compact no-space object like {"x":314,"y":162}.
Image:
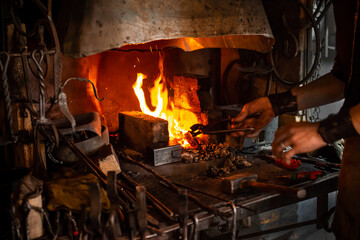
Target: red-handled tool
{"x":311,"y":175}
{"x":294,"y":164}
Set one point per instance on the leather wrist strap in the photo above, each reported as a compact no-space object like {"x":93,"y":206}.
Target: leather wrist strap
{"x":336,"y":127}
{"x":283,"y":103}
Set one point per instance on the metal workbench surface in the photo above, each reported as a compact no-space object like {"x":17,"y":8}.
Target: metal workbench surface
{"x":193,"y":175}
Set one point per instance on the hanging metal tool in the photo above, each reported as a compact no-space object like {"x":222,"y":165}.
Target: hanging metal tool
{"x":8,"y":109}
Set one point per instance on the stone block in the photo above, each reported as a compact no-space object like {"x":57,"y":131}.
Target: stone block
{"x":140,"y":131}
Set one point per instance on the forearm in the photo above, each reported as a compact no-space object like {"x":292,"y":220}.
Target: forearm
{"x":355,"y":117}
{"x":324,"y":90}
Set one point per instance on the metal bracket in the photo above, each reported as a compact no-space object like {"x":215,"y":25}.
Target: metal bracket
{"x":141,"y":209}
{"x":195,"y":220}
{"x":183,"y":211}
{"x":95,"y":211}
{"x":233,"y":227}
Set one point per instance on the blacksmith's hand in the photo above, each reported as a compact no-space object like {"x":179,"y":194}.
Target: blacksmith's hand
{"x":261,"y":105}
{"x":296,"y":138}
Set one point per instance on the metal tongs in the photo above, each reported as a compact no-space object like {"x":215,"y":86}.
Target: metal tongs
{"x":197,"y":129}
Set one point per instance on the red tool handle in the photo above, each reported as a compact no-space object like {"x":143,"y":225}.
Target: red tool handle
{"x":312,"y":175}
{"x":267,"y":187}
{"x":294,"y":164}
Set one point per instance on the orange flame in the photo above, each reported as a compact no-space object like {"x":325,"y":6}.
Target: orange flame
{"x":180,"y":119}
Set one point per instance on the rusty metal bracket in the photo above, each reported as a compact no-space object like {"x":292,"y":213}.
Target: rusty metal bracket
{"x":183,"y":211}
{"x":141,"y":210}
{"x":233,"y":226}
{"x":132,"y":223}
{"x":112,"y":192}
{"x":95,"y":210}
{"x":112,"y":227}
{"x":196,"y":223}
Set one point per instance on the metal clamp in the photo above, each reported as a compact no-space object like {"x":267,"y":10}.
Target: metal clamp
{"x":183,"y":211}
{"x":141,"y":209}
{"x":95,"y":210}
{"x":196,"y":231}
{"x":233,"y":230}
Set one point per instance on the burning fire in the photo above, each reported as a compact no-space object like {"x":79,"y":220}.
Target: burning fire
{"x":180,"y":118}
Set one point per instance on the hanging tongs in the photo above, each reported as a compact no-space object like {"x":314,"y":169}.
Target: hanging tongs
{"x":197,"y":129}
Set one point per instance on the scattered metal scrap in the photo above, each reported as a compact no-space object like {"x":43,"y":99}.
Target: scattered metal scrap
{"x":230,"y":164}
{"x":232,"y":159}
{"x":206,"y":152}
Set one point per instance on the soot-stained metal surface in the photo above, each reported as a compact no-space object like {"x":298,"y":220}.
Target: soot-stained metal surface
{"x":193,"y":176}
{"x":94,"y":26}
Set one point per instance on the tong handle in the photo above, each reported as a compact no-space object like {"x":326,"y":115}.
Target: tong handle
{"x":224,"y":120}
{"x":253,"y":115}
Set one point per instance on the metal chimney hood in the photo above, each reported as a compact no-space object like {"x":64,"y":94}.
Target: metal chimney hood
{"x":93,"y":26}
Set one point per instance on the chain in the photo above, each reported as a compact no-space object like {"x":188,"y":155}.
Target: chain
{"x":5,"y":85}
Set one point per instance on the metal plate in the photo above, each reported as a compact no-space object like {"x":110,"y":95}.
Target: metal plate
{"x":165,"y":155}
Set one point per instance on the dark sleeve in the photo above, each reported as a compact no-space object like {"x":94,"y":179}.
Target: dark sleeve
{"x":344,"y":19}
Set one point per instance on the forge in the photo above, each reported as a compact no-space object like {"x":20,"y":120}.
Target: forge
{"x":100,"y":99}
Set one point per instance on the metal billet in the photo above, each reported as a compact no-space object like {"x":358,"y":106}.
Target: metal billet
{"x":165,"y":155}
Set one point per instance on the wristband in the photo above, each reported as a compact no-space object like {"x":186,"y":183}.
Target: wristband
{"x":336,"y":127}
{"x":283,"y":103}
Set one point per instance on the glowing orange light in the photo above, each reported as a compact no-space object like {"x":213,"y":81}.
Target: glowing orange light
{"x":180,"y":119}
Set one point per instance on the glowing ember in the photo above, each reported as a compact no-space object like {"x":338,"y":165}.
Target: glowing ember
{"x":180,"y":118}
